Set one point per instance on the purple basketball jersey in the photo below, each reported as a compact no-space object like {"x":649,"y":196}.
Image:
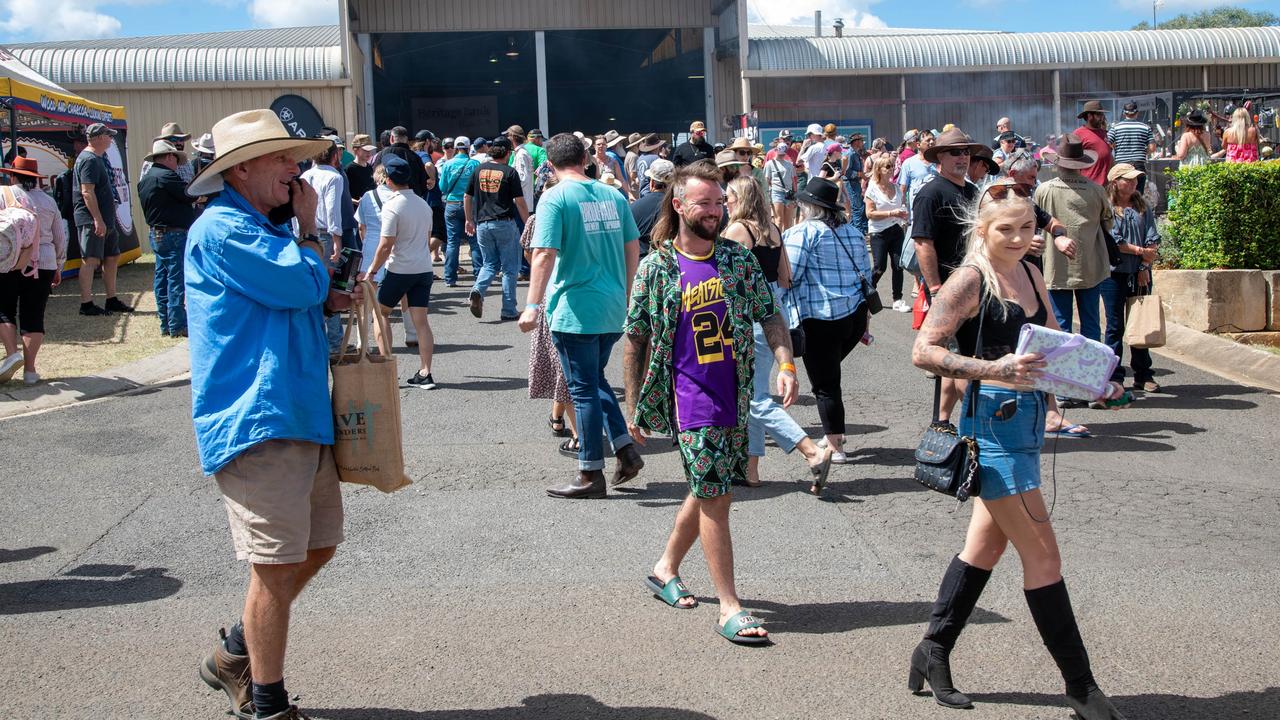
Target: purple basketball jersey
{"x":704,"y":369}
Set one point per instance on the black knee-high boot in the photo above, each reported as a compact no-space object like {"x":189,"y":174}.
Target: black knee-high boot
{"x":962,"y":584}
{"x":1051,"y":609}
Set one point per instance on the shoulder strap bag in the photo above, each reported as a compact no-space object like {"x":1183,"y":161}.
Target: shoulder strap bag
{"x":946,"y":461}
{"x":869,"y":292}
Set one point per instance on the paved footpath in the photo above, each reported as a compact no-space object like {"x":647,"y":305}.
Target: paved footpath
{"x":471,"y":595}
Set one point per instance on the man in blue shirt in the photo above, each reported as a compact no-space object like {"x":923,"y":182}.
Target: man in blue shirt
{"x":455,"y":177}
{"x":256,"y":300}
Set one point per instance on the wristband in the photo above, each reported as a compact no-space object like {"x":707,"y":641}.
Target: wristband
{"x":787,"y":367}
{"x":532,"y":306}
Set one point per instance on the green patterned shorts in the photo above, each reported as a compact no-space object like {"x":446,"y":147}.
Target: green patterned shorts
{"x":713,"y":458}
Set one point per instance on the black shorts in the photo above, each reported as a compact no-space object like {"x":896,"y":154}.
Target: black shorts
{"x":23,"y":300}
{"x":437,"y":222}
{"x":97,"y":246}
{"x":417,"y":287}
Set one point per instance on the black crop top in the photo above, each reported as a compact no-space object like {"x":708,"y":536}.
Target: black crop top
{"x":768,"y":257}
{"x":1000,"y":334}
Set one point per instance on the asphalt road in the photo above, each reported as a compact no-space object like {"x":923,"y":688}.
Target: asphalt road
{"x":471,"y":595}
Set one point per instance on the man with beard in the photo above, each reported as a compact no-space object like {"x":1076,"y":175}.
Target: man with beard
{"x":938,"y":214}
{"x":695,"y":148}
{"x":1094,"y":136}
{"x":687,"y":367}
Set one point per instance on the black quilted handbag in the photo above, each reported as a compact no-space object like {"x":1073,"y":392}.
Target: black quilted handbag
{"x":946,"y":461}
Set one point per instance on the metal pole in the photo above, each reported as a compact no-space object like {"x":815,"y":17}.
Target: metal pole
{"x":1057,"y":102}
{"x":902,"y":101}
{"x":708,"y":81}
{"x":366,"y":48}
{"x":540,"y":55}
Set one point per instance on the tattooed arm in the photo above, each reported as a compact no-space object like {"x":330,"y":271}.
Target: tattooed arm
{"x":927,"y":258}
{"x":954,"y":303}
{"x":779,"y":338}
{"x":635,"y":355}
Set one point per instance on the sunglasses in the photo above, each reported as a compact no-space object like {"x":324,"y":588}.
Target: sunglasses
{"x":1001,"y":191}
{"x":741,"y":152}
{"x":962,"y":152}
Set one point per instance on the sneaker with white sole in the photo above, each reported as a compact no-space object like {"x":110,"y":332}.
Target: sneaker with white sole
{"x":9,"y":366}
{"x":901,"y":306}
{"x":422,"y":382}
{"x":30,"y":378}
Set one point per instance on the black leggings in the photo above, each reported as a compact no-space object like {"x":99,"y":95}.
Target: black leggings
{"x":827,"y":343}
{"x":24,"y":298}
{"x":886,"y":247}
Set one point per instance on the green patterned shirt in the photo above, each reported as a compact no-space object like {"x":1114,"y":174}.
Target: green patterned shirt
{"x":655,"y":311}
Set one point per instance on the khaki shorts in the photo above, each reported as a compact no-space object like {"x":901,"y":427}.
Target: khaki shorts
{"x":282,"y":500}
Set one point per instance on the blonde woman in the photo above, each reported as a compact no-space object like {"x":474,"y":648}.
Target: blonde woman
{"x":750,"y":226}
{"x":886,"y":221}
{"x":1008,"y":292}
{"x":1240,"y":140}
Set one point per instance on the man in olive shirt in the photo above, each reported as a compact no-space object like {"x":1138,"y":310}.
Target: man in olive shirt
{"x":1082,"y":207}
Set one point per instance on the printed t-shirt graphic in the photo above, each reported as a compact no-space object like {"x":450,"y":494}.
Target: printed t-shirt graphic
{"x":703,"y":364}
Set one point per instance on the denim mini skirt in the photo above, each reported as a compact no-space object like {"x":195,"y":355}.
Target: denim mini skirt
{"x":1008,"y":450}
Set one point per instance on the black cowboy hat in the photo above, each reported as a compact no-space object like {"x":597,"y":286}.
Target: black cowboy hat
{"x":821,"y":192}
{"x":1195,"y":118}
{"x":987,"y":156}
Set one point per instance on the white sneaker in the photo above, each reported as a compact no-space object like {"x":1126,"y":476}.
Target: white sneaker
{"x":30,"y":378}
{"x":839,"y":458}
{"x":9,"y":366}
{"x":901,"y":306}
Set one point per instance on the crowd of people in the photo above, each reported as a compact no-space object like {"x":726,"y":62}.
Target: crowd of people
{"x":719,"y":269}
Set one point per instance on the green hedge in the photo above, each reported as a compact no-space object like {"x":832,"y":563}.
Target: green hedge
{"x":1226,"y":215}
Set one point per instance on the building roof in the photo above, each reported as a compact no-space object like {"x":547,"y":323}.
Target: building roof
{"x":763,"y":31}
{"x":276,"y":55}
{"x":934,"y":52}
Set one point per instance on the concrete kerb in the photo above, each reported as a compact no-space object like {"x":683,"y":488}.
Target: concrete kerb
{"x":159,"y":368}
{"x":1222,"y":357}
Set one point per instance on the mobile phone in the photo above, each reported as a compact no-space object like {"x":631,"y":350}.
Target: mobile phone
{"x":1007,"y":409}
{"x":284,"y":213}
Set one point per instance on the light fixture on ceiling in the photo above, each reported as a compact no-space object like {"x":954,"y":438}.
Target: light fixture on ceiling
{"x":493,"y":58}
{"x":697,"y":77}
{"x":512,"y":52}
{"x":497,"y":82}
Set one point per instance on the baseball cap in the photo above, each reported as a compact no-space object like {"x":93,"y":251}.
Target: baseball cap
{"x":479,"y":142}
{"x":661,"y":171}
{"x":535,"y":133}
{"x":333,"y":139}
{"x":424,"y":135}
{"x":503,"y":142}
{"x":911,"y":136}
{"x":697,"y":125}
{"x":397,"y":169}
{"x":829,"y":128}
{"x":784,"y":135}
{"x":461,"y":142}
{"x":813,"y":129}
{"x":1131,"y":107}
{"x":1008,"y":135}
{"x":1123,"y":170}
{"x":97,"y":129}
{"x":362,"y":140}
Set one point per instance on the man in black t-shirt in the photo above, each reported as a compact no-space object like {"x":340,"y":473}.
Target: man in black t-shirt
{"x":696,"y":148}
{"x":493,"y":199}
{"x":937,"y":225}
{"x":94,"y":200}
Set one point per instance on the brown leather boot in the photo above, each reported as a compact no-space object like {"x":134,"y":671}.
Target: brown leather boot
{"x":230,"y":674}
{"x":629,"y":465}
{"x":589,"y":485}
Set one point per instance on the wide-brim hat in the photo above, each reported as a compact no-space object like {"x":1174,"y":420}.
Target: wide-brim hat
{"x":172,"y":129}
{"x":1071,"y":153}
{"x":164,"y":147}
{"x":24,"y":166}
{"x":821,"y":192}
{"x":245,"y":136}
{"x":953,"y":139}
{"x":987,"y":156}
{"x":612,"y":138}
{"x":741,"y":143}
{"x":633,"y":140}
{"x":1093,"y":106}
{"x":726,"y":158}
{"x":611,"y":180}
{"x":649,"y":143}
{"x":1195,"y":118}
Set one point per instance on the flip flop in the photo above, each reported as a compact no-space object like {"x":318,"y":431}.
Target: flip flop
{"x":821,"y":471}
{"x":743,"y":620}
{"x":671,"y":593}
{"x":1065,"y":432}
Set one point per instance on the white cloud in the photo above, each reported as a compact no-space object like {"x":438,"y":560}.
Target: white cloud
{"x":1169,"y":8}
{"x":57,"y":20}
{"x":855,"y":13}
{"x":293,"y":13}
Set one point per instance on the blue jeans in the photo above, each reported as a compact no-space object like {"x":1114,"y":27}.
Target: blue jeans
{"x":455,"y":226}
{"x":1122,"y":287}
{"x":332,"y":325}
{"x":170,"y":291}
{"x":583,"y":358}
{"x":500,"y":248}
{"x":1088,"y":298}
{"x":857,"y":206}
{"x":767,"y":414}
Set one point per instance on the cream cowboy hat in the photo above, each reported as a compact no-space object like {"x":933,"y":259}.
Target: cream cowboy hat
{"x":164,"y":147}
{"x":245,"y":136}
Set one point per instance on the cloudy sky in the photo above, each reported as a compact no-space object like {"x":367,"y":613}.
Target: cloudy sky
{"x":35,"y":20}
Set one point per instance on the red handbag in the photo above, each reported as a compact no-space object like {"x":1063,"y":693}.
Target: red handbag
{"x":919,"y":309}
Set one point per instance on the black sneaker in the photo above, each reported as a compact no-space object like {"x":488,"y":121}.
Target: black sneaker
{"x":421,"y":381}
{"x":90,"y":309}
{"x":476,"y":300}
{"x":113,"y":304}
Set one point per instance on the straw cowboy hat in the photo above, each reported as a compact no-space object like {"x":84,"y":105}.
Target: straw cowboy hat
{"x":953,"y":139}
{"x":741,"y":143}
{"x":245,"y":136}
{"x":726,"y":158}
{"x":24,"y":166}
{"x":1071,"y":153}
{"x":611,"y":180}
{"x":172,"y":129}
{"x":612,"y":138}
{"x":164,"y":147}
